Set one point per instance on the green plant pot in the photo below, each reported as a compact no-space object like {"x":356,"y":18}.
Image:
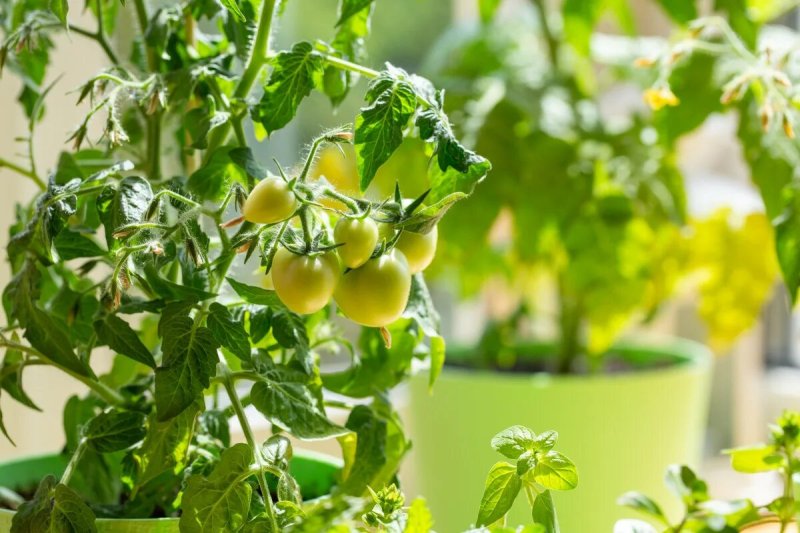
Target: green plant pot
{"x":622,"y":430}
{"x":315,"y":472}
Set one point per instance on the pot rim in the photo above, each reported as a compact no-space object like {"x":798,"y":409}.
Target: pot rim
{"x":688,"y":357}
{"x":305,"y":454}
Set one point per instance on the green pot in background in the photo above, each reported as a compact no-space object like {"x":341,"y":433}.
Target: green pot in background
{"x":621,"y":430}
{"x":316,"y":473}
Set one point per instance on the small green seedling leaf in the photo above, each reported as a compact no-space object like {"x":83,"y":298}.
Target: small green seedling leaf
{"x":502,"y":486}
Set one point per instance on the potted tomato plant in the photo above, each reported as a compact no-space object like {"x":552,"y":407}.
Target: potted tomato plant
{"x":125,"y":255}
{"x":580,"y":237}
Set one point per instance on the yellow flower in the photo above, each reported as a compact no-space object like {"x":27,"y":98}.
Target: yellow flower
{"x":659,"y":97}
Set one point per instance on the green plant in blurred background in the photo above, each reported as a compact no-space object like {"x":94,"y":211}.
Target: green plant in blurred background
{"x":586,"y":201}
{"x":702,"y":514}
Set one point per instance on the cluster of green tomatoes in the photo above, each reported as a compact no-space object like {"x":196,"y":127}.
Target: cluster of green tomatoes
{"x":367,"y":273}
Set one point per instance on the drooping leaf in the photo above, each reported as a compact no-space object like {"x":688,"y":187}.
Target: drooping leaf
{"x":60,"y":8}
{"x":189,"y":359}
{"x":11,"y":370}
{"x":123,"y":204}
{"x":50,"y":336}
{"x":220,"y":502}
{"x":379,"y":126}
{"x":643,"y":504}
{"x":228,"y":332}
{"x":233,"y":8}
{"x":165,"y":447}
{"x":544,"y":512}
{"x":115,"y":430}
{"x":502,"y":486}
{"x":120,"y":337}
{"x":348,"y":8}
{"x":290,"y":405}
{"x":256,"y":295}
{"x":295,"y":73}
{"x":213,"y":180}
{"x":373,"y":457}
{"x":434,"y":126}
{"x":72,"y":245}
{"x":420,"y":307}
{"x":55,"y":508}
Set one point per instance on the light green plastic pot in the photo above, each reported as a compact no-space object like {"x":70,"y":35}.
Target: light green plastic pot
{"x":622,"y":430}
{"x":316,"y":473}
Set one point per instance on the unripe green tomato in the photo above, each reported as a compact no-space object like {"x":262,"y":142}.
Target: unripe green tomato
{"x":305,"y":284}
{"x":376,"y":293}
{"x":269,"y":202}
{"x":358,"y":239}
{"x":418,"y":248}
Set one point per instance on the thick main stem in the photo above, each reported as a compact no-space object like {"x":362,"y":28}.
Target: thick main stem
{"x":73,"y":462}
{"x":256,"y":60}
{"x":237,"y":407}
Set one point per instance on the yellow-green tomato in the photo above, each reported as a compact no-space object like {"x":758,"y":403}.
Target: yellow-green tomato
{"x":358,"y":239}
{"x":418,"y":248}
{"x":305,"y":283}
{"x":376,"y":293}
{"x":269,"y":202}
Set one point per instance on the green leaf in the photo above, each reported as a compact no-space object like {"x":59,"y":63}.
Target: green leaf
{"x":419,"y":519}
{"x":434,"y":126}
{"x":233,"y":8}
{"x":256,"y":295}
{"x":487,"y":9}
{"x":379,"y":367}
{"x":189,"y":360}
{"x":502,"y":486}
{"x":294,"y":75}
{"x":643,"y":504}
{"x":787,"y":240}
{"x":544,"y":512}
{"x":165,"y":446}
{"x":289,"y":330}
{"x":420,"y":307}
{"x":348,"y":43}
{"x":60,"y":8}
{"x":554,"y":471}
{"x":348,"y":8}
{"x":123,"y":204}
{"x":243,"y":156}
{"x":120,"y":337}
{"x":514,"y":441}
{"x":213,"y":180}
{"x":379,"y":126}
{"x":74,"y":244}
{"x":450,"y":185}
{"x":228,"y":332}
{"x":51,"y":337}
{"x":685,"y":484}
{"x":373,"y":457}
{"x":55,"y":508}
{"x":11,"y":370}
{"x":115,"y":430}
{"x":681,"y":11}
{"x":754,"y":459}
{"x":220,"y":502}
{"x":260,"y":323}
{"x":437,"y":357}
{"x":292,"y":406}
{"x":3,"y":429}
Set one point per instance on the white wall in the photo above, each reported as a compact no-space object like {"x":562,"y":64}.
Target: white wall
{"x":76,"y":59}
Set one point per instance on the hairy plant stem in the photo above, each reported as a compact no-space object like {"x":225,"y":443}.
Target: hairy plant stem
{"x":101,"y":389}
{"x":238,"y":409}
{"x":256,"y":60}
{"x":27,"y":173}
{"x":73,"y":462}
